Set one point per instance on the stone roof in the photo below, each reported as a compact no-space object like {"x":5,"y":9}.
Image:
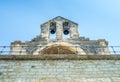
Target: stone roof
{"x":60,"y":18}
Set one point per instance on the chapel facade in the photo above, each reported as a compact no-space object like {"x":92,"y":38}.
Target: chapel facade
{"x":60,"y":36}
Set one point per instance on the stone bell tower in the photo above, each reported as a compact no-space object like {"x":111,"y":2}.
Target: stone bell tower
{"x":58,"y":28}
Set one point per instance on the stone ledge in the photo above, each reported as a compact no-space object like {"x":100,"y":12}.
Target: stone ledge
{"x":60,"y":57}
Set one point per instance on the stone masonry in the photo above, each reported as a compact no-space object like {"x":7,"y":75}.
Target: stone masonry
{"x":60,"y":70}
{"x":73,"y":44}
{"x":60,"y":54}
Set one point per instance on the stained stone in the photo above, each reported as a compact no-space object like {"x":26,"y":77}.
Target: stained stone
{"x":60,"y":43}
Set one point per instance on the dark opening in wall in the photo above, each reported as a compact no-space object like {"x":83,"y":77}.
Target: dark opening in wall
{"x":52,"y":30}
{"x":66,"y":31}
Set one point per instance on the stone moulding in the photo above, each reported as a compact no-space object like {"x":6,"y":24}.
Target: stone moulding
{"x":60,"y":57}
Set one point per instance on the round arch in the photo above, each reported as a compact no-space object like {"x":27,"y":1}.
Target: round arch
{"x":59,"y":48}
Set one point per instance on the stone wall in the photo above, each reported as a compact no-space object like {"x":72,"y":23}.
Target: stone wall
{"x":66,"y":70}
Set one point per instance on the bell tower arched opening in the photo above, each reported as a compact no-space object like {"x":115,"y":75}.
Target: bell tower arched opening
{"x":66,"y":30}
{"x":52,"y":30}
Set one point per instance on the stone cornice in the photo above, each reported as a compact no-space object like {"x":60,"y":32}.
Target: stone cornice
{"x":60,"y":57}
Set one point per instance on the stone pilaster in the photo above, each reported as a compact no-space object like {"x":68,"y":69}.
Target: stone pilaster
{"x":59,"y":30}
{"x":74,"y":31}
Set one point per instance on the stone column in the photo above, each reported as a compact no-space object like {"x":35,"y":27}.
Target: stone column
{"x":59,"y":31}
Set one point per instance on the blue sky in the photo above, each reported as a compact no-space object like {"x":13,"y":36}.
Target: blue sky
{"x":97,"y":19}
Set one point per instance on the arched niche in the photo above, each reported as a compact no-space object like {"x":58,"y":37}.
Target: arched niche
{"x":59,"y":48}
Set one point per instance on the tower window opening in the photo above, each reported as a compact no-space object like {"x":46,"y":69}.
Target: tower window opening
{"x":52,"y":30}
{"x":66,"y":30}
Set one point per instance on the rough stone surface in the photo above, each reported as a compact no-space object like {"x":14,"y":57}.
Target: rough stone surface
{"x":59,"y":71}
{"x":71,"y":59}
{"x":72,"y":44}
{"x":60,"y":57}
